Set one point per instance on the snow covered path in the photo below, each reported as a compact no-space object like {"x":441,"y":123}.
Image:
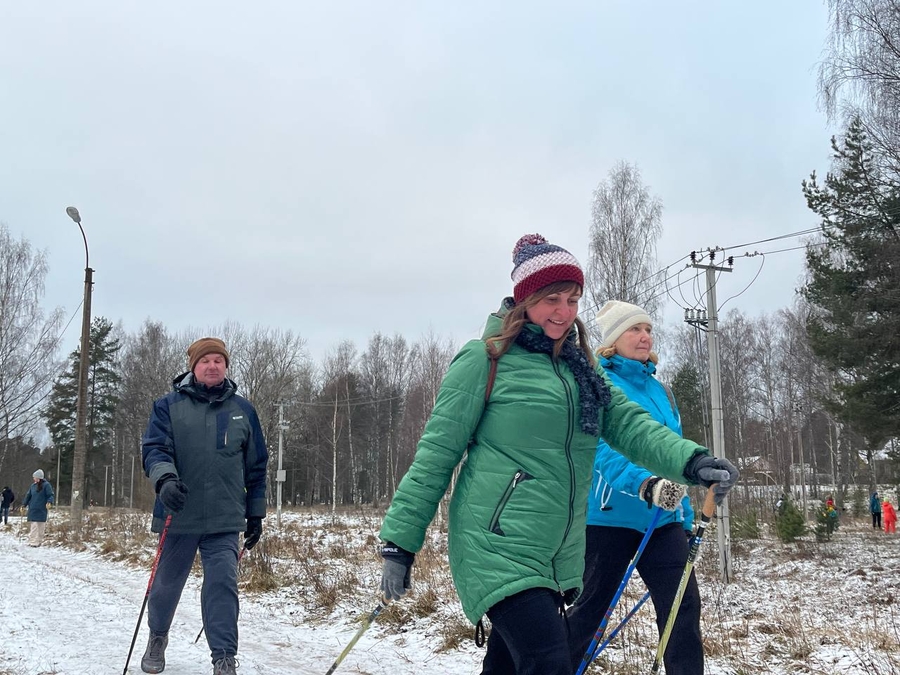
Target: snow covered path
{"x":65,"y":613}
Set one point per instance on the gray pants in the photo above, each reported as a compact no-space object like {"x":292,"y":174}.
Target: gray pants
{"x":218,"y":597}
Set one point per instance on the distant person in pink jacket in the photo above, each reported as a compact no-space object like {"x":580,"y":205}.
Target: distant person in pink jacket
{"x":890,"y":517}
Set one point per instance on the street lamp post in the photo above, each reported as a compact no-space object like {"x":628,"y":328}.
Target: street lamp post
{"x":83,"y":365}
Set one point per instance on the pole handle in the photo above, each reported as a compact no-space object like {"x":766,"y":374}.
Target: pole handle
{"x":709,"y":504}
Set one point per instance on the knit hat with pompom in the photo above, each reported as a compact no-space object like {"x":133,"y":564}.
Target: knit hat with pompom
{"x":538,"y":263}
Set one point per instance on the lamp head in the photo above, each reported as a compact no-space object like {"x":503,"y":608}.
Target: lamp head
{"x":73,"y":214}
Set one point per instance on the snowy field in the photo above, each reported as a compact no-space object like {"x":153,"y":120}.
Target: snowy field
{"x":800,"y":608}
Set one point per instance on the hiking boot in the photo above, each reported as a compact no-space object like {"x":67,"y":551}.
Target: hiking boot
{"x":154,"y":659}
{"x":225,"y":666}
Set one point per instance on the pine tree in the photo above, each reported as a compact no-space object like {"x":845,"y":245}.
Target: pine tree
{"x":854,"y":288}
{"x":826,"y":523}
{"x":102,"y":398}
{"x":789,"y":523}
{"x":686,"y":387}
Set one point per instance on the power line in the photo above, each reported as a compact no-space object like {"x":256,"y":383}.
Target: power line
{"x":790,"y":235}
{"x":347,"y":402}
{"x":699,"y":297}
{"x":763,"y":262}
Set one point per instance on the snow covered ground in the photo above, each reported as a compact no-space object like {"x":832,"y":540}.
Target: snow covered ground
{"x":802,"y":608}
{"x":66,"y":613}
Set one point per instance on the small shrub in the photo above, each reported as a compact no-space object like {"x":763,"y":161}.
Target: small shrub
{"x":745,"y":527}
{"x":859,"y":503}
{"x":455,"y":632}
{"x":425,"y":603}
{"x":826,"y":523}
{"x":789,"y":523}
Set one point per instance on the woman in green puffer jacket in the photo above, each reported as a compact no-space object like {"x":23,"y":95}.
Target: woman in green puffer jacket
{"x":523,"y":409}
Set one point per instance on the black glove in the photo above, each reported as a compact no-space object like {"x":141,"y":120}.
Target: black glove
{"x":253,"y":533}
{"x":395,"y":576}
{"x":707,"y":470}
{"x":172,"y":492}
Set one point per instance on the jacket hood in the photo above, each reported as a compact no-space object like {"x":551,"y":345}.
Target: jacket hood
{"x":495,"y":319}
{"x":186,"y":383}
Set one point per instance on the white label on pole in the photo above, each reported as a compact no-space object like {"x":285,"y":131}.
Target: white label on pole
{"x":281,"y":475}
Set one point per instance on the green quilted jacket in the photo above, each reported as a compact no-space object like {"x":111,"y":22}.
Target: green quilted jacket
{"x":517,"y":515}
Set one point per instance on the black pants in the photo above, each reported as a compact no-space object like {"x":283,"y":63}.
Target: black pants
{"x":528,"y":636}
{"x":876,"y":520}
{"x":608,"y":552}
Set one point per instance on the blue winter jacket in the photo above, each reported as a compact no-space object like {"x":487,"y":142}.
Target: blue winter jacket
{"x":874,"y":503}
{"x":37,"y":500}
{"x":212,"y":440}
{"x":614,"y":500}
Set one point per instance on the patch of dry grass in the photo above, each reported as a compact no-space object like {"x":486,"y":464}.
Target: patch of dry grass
{"x":787,"y":604}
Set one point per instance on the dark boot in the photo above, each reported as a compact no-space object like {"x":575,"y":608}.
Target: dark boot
{"x":154,"y":660}
{"x":225,"y":666}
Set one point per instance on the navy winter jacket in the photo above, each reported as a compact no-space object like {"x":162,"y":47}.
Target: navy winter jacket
{"x":211,"y":439}
{"x":614,"y":500}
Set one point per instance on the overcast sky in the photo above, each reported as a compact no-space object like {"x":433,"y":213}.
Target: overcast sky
{"x":340,"y":168}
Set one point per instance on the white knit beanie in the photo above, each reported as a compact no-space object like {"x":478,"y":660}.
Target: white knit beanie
{"x":615,"y":317}
{"x":38,"y":474}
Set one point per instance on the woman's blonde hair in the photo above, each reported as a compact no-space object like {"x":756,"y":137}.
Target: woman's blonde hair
{"x":607,"y":353}
{"x":515,"y":319}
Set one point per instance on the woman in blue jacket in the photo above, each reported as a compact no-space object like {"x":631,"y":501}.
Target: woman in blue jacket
{"x":619,"y":505}
{"x":38,"y":498}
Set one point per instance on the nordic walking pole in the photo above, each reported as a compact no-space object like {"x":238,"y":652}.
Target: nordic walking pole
{"x":709,"y":508}
{"x":611,"y":636}
{"x":362,"y":629}
{"x":159,"y":547}
{"x":592,"y":648}
{"x":240,"y":555}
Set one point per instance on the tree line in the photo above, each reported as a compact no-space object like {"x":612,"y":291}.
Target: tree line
{"x":811,"y":391}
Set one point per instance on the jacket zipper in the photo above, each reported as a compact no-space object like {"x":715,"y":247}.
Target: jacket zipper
{"x":519,"y":476}
{"x":569,"y":434}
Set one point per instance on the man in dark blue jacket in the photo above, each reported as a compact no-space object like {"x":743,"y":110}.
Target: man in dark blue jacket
{"x":7,"y":497}
{"x":205,"y":455}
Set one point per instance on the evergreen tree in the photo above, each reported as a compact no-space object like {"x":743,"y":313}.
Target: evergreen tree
{"x":826,"y":523}
{"x":686,"y":387}
{"x":789,"y":522}
{"x":854,"y":288}
{"x":102,"y":398}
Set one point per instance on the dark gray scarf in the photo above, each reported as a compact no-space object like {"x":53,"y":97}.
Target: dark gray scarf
{"x":592,"y":388}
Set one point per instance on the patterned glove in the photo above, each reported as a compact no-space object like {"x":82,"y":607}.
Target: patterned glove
{"x":662,"y":493}
{"x":395,"y":576}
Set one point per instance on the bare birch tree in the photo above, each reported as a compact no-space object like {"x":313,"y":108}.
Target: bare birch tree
{"x":860,"y":74}
{"x":28,"y":339}
{"x":626,"y":223}
{"x":338,"y":368}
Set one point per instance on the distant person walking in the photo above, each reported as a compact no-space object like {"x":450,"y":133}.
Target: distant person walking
{"x":38,"y":499}
{"x":875,"y":509}
{"x":7,"y":497}
{"x":890,"y":517}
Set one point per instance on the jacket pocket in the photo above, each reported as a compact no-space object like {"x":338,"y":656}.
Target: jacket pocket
{"x":519,"y":477}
